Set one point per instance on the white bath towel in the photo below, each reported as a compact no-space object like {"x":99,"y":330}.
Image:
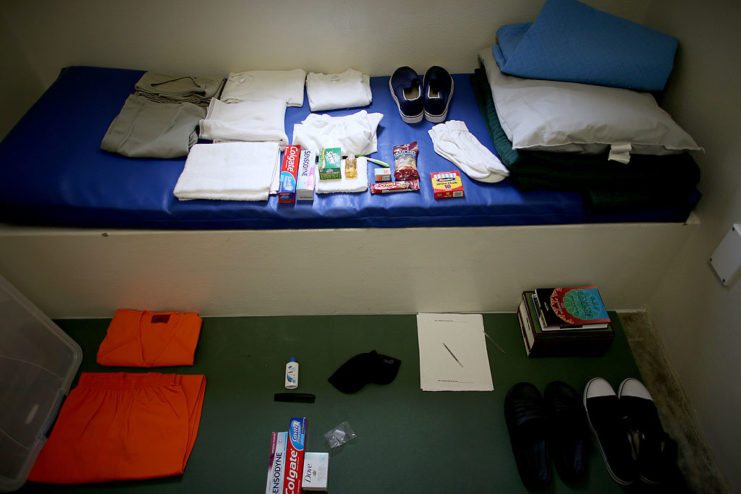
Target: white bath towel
{"x":349,"y":89}
{"x":357,"y":184}
{"x":354,"y":133}
{"x":230,"y":171}
{"x":453,"y":141}
{"x":262,"y":120}
{"x":287,"y":85}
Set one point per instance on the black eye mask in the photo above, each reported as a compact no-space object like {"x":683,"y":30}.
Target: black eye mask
{"x":365,"y":368}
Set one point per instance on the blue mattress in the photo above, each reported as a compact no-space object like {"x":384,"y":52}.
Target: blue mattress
{"x":52,"y":172}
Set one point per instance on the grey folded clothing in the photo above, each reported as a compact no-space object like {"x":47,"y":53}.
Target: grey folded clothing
{"x":146,"y":129}
{"x":174,"y":88}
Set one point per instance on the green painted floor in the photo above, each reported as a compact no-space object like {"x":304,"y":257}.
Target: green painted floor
{"x":409,"y":441}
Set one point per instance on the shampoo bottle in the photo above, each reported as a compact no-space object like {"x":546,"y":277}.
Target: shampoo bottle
{"x":291,"y":374}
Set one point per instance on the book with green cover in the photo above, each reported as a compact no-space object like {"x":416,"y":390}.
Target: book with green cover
{"x":571,"y":307}
{"x":585,"y":342}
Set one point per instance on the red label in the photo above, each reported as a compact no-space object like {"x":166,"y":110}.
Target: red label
{"x":290,"y":159}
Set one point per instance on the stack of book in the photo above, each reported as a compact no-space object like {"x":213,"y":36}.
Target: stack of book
{"x":564,"y":322}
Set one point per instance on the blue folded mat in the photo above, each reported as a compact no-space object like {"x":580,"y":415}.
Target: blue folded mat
{"x":571,"y":41}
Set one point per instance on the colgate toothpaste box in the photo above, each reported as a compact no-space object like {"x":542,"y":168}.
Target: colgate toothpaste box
{"x":305,"y":180}
{"x":288,"y":172}
{"x":294,"y":468}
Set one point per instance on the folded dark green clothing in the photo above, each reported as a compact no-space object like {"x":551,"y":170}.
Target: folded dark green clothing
{"x":502,"y":145}
{"x":571,"y":171}
{"x":604,"y":200}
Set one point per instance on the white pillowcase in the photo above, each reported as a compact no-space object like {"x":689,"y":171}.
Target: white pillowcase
{"x":572,"y":117}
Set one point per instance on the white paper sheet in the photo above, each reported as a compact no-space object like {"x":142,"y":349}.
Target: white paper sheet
{"x":452,"y":353}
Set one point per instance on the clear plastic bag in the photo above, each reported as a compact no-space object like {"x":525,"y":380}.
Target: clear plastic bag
{"x":340,"y":435}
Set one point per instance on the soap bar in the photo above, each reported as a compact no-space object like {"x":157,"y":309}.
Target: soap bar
{"x":382,"y":174}
{"x":316,"y":471}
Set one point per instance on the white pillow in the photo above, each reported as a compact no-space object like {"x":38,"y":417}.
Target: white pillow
{"x":584,"y":118}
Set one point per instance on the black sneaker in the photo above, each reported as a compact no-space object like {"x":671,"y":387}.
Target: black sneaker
{"x":528,"y":426}
{"x":606,"y":419}
{"x":407,"y":92}
{"x":646,"y":434}
{"x":438,"y":91}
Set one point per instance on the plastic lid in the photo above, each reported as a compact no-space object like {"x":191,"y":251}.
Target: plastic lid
{"x":292,"y":359}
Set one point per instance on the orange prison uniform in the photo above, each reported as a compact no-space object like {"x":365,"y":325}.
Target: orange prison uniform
{"x":123,"y":426}
{"x":150,"y":339}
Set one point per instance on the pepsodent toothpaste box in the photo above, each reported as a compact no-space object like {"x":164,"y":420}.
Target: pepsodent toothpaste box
{"x":295,"y":456}
{"x":305,"y":180}
{"x":277,"y":463}
{"x":288,"y":172}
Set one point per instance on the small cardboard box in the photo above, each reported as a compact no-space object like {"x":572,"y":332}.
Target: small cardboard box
{"x":446,"y":184}
{"x":330,"y":162}
{"x":382,"y":174}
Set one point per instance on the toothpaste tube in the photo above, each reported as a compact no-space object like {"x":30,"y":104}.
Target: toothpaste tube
{"x":288,"y":172}
{"x":398,"y":186}
{"x":295,"y":456}
{"x":305,"y":179}
{"x":277,"y":463}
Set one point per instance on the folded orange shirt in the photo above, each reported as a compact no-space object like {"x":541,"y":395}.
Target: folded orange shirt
{"x":150,"y":339}
{"x":123,"y":426}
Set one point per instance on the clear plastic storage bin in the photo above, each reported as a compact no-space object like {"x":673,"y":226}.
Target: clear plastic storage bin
{"x":38,"y":363}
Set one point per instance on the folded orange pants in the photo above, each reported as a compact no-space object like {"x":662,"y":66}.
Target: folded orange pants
{"x":150,"y":339}
{"x":123,"y":426}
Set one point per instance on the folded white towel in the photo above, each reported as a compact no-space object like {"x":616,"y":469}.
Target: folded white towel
{"x":354,"y":133}
{"x":262,"y":120}
{"x":350,"y":89}
{"x":357,"y":184}
{"x":287,"y":85}
{"x":230,"y":171}
{"x":453,"y":141}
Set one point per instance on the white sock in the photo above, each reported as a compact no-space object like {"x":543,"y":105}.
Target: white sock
{"x":453,"y":141}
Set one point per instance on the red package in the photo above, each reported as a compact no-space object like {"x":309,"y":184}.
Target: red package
{"x":405,"y":161}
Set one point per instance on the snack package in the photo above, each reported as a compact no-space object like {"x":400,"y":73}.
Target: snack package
{"x":405,"y":161}
{"x":398,"y":186}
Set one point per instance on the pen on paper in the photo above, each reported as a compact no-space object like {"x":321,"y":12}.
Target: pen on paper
{"x":452,"y":354}
{"x":495,"y":343}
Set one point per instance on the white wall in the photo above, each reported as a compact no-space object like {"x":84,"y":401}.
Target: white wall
{"x":19,"y":85}
{"x":698,"y":319}
{"x":90,"y":273}
{"x":220,"y":36}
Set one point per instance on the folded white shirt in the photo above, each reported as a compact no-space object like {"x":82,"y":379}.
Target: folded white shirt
{"x":354,"y":133}
{"x":357,"y":184}
{"x":229,"y":171}
{"x":258,"y":120}
{"x":349,"y":89}
{"x":287,"y":85}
